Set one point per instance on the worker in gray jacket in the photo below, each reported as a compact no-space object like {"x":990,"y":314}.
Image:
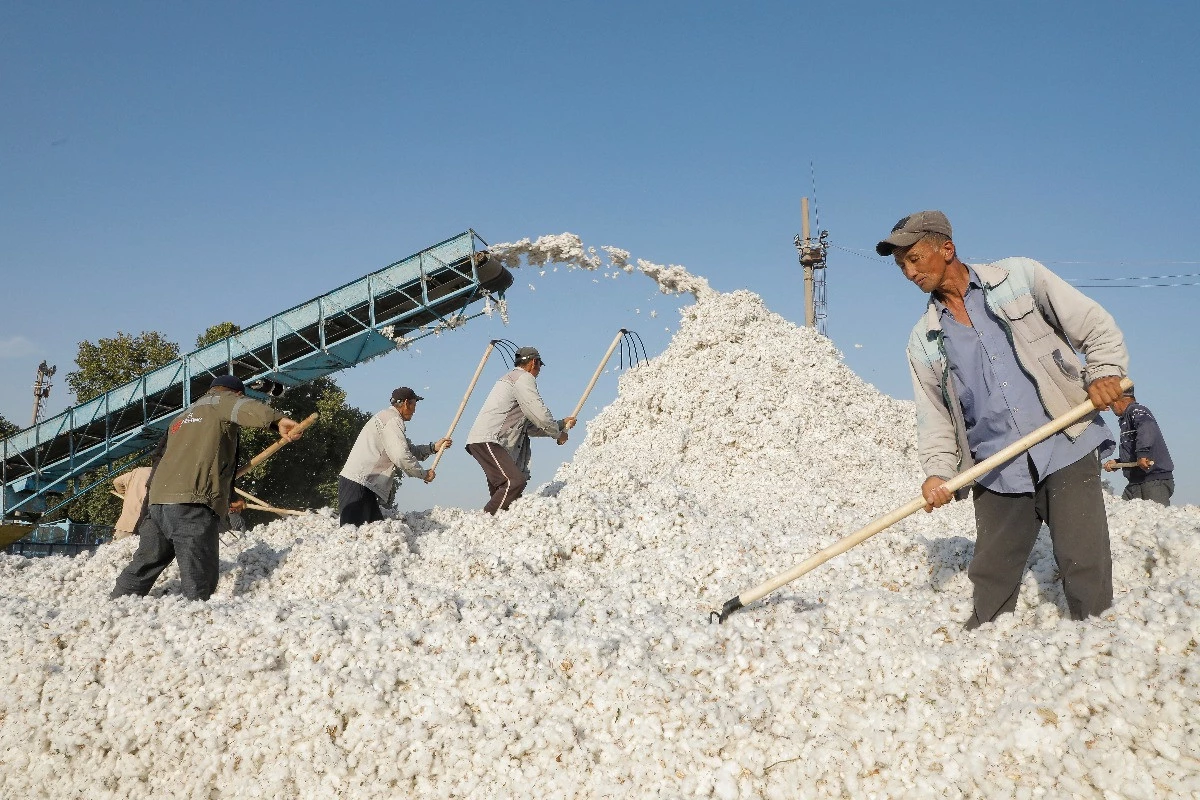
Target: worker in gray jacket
{"x":381,"y":448}
{"x":499,"y":439}
{"x":993,"y":359}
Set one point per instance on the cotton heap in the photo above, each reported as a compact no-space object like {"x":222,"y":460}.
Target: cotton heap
{"x":563,"y":648}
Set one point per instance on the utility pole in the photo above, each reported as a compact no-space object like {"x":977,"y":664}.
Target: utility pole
{"x":41,"y":390}
{"x":812,"y":254}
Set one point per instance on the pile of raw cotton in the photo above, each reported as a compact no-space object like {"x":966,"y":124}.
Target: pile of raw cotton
{"x":563,"y":649}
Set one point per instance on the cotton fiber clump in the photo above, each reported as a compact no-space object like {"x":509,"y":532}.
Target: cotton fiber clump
{"x":563,"y":649}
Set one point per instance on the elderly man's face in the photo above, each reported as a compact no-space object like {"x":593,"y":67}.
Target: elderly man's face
{"x":407,"y":409}
{"x":925,"y":263}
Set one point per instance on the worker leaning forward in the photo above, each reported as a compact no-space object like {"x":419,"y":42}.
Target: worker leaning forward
{"x":499,"y":439}
{"x":191,"y":487}
{"x":1153,"y":475}
{"x":992,"y":359}
{"x":381,"y":448}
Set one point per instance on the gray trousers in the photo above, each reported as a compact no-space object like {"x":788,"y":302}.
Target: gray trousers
{"x":505,"y":481}
{"x":186,"y":532}
{"x":1156,"y":491}
{"x":1071,"y":503}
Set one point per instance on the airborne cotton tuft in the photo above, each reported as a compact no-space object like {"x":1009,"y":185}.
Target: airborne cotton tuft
{"x":564,"y":649}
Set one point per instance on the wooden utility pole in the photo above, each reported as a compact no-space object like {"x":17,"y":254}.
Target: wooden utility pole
{"x":812,"y":258}
{"x":41,"y":390}
{"x":810,"y":312}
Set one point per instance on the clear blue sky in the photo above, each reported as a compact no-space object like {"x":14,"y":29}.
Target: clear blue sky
{"x":169,"y":166}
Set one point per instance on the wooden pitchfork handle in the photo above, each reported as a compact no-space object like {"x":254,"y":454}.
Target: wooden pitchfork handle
{"x":263,"y":505}
{"x":462,"y":406}
{"x":273,"y":449}
{"x":1128,"y":464}
{"x":599,"y":369}
{"x":962,"y":480}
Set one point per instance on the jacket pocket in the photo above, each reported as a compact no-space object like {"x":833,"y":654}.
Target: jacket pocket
{"x":1067,"y":365}
{"x":1070,"y":389}
{"x":1025,"y":320}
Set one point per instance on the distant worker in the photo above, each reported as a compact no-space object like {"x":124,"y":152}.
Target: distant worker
{"x":381,"y":448}
{"x":991,"y":361}
{"x":1141,"y":440}
{"x":499,"y":439}
{"x":191,"y":487}
{"x":133,"y":485}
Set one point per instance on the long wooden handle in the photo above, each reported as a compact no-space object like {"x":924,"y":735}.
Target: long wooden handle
{"x":462,"y":406}
{"x":273,"y":449}
{"x":1127,"y":464}
{"x":599,"y":369}
{"x":263,"y":505}
{"x":959,"y":481}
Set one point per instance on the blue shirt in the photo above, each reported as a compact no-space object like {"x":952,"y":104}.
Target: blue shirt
{"x":1000,"y":403}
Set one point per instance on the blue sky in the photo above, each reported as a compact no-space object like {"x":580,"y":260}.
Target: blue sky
{"x":168,"y":166}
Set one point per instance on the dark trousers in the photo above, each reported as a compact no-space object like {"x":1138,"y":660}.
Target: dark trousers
{"x":1071,"y":504}
{"x":505,"y":480}
{"x":185,"y":532}
{"x":357,"y":505}
{"x":1156,"y":491}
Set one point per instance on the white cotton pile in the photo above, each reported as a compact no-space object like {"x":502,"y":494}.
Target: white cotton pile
{"x":563,"y":649}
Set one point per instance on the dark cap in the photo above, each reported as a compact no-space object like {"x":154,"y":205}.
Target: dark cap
{"x":1128,"y":392}
{"x":405,"y":393}
{"x":230,"y":382}
{"x":526,"y":354}
{"x":912,"y":228}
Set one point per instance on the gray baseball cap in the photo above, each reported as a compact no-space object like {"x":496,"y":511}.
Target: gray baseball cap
{"x":527,"y":354}
{"x":909,"y":230}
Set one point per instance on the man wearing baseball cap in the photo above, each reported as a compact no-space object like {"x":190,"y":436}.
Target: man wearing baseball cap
{"x":1153,"y":475}
{"x":993,"y":359}
{"x":191,"y":486}
{"x":382,"y":447}
{"x":499,"y":439}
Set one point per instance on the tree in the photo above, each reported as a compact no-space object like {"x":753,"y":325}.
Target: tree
{"x":7,"y":428}
{"x":103,"y":366}
{"x":216,"y":333}
{"x":112,"y":362}
{"x":305,"y":473}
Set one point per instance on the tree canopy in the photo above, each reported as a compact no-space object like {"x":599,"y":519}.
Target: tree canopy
{"x":7,"y":428}
{"x":216,"y":333}
{"x":110,"y":363}
{"x":305,"y":473}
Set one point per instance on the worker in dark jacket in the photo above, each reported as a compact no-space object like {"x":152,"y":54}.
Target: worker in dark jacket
{"x":191,"y":486}
{"x":1142,"y":442}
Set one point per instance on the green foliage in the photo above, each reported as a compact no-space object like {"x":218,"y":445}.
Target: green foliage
{"x":102,"y":366}
{"x":112,"y":362}
{"x":7,"y":428}
{"x":216,"y":333}
{"x":304,"y":474}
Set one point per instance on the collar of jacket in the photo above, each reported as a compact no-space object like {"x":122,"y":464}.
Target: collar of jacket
{"x":992,"y":276}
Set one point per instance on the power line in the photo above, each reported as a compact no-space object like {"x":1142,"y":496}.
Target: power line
{"x":1109,"y":282}
{"x":1142,"y":277}
{"x":1132,"y":285}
